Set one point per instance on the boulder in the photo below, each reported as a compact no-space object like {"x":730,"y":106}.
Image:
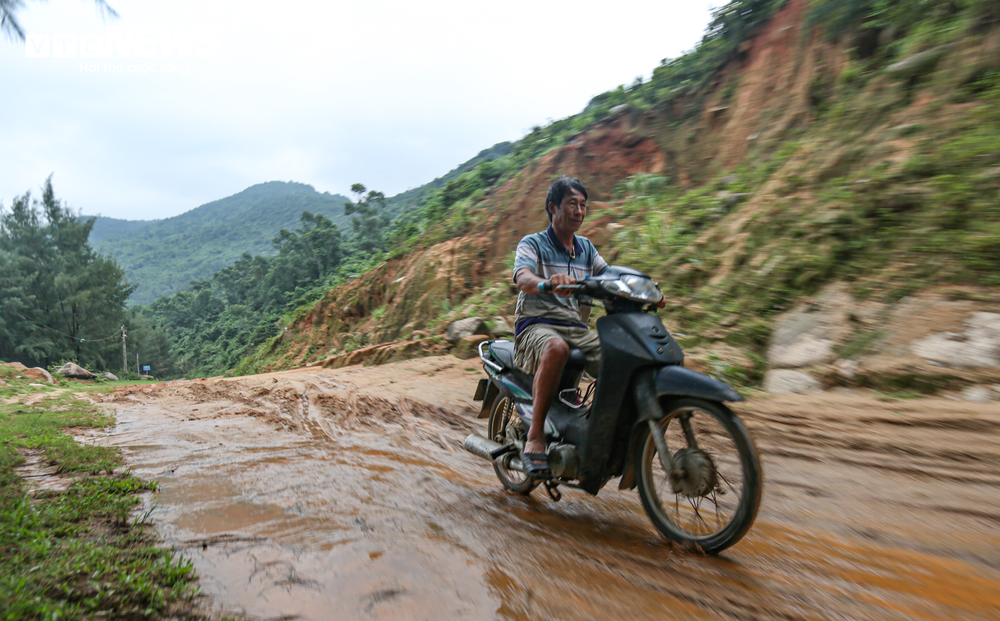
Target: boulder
{"x":39,"y":374}
{"x":846,"y":369}
{"x":72,"y":370}
{"x":978,"y":394}
{"x":977,"y":347}
{"x":804,"y":351}
{"x":468,"y":347}
{"x":500,"y":326}
{"x":458,"y":330}
{"x":916,"y":65}
{"x":787,"y":382}
{"x":110,"y":376}
{"x":730,"y":199}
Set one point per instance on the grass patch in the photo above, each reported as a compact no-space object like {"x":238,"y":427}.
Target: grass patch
{"x":857,"y":345}
{"x":75,"y":554}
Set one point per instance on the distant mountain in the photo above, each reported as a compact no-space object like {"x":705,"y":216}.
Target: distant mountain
{"x":110,"y":227}
{"x":164,"y":256}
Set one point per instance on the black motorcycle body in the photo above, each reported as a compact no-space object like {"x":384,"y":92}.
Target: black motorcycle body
{"x":641,"y":387}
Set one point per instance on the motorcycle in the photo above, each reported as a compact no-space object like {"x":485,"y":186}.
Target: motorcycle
{"x":660,"y":427}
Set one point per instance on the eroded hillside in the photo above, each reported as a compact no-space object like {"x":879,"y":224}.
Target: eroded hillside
{"x":806,"y":169}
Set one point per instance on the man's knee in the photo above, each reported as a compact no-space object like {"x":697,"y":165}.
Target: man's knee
{"x":556,"y":350}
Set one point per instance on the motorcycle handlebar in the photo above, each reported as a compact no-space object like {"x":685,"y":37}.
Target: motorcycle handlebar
{"x":547,"y":286}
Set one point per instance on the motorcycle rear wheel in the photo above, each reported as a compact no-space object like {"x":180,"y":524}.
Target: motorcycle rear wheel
{"x":503,"y":415}
{"x":724,"y":485}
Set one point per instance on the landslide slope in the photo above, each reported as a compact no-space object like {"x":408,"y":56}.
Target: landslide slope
{"x":867,"y":162}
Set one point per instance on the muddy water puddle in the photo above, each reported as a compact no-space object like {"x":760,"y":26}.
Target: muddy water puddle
{"x":322,"y":517}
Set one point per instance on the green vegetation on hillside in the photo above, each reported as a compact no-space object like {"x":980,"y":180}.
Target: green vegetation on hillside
{"x":410,"y":200}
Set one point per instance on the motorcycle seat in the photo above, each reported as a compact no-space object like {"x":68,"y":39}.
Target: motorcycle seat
{"x":503,"y":353}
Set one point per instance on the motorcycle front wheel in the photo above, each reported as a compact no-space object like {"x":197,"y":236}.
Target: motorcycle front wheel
{"x":714,"y":503}
{"x":504,"y":421}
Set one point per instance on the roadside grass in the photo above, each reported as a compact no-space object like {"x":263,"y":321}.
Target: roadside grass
{"x":75,"y":554}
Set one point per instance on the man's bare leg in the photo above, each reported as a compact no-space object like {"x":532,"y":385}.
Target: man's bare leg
{"x":550,"y":368}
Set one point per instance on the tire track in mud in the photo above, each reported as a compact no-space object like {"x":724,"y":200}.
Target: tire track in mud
{"x":872,"y":509}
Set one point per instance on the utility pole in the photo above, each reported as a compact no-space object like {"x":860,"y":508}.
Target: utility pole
{"x":124,"y":356}
{"x":137,"y":363}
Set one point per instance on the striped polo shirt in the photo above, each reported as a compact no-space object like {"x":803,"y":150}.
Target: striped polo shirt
{"x":545,"y":256}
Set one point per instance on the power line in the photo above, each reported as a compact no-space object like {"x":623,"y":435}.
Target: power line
{"x":113,"y":336}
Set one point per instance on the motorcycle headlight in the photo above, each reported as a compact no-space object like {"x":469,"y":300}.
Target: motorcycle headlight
{"x":635,"y":288}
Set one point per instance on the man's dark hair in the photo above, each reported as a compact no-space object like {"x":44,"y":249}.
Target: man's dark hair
{"x":559,"y":189}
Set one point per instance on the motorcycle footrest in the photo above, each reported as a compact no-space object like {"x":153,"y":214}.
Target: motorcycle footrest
{"x":503,"y":450}
{"x":553,"y":490}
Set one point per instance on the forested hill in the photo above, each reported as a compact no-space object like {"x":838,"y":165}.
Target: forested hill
{"x":112,"y":227}
{"x":164,"y":256}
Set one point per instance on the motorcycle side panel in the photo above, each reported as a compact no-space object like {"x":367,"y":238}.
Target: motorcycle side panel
{"x":524,"y":411}
{"x":515,"y":385}
{"x":680,"y":382}
{"x":571,"y":423}
{"x":629,"y":342}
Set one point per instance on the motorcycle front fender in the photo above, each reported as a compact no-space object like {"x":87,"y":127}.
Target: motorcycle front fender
{"x":677,"y":381}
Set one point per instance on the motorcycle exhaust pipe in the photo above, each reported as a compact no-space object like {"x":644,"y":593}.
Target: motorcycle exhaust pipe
{"x":480,"y":446}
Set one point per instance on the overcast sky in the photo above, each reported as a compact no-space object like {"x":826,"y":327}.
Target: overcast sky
{"x":175,"y":104}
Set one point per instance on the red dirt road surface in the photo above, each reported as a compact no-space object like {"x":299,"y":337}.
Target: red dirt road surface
{"x":345,"y":494}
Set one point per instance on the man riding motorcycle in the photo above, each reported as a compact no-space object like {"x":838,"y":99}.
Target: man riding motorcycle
{"x":661,"y":428}
{"x":549,"y":322}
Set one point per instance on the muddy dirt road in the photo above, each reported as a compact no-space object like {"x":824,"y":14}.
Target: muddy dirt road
{"x":345,"y":494}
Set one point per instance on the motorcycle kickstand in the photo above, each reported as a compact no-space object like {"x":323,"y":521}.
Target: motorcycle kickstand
{"x":552,"y":487}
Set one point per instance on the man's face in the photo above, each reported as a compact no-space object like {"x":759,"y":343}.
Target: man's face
{"x":570,"y":213}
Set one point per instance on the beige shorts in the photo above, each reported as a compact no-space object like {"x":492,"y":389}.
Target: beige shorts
{"x":531,"y":341}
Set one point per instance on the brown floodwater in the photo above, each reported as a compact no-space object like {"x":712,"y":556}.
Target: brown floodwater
{"x":345,"y":494}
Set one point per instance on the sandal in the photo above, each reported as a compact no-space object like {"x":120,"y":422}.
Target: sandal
{"x":536,"y":466}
